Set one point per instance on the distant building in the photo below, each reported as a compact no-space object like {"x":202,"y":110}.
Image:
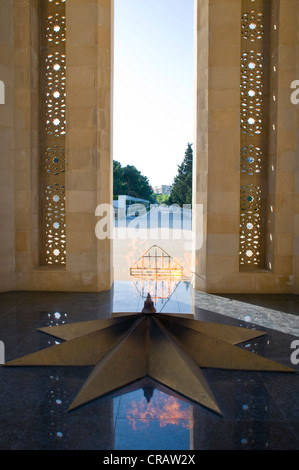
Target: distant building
{"x":162,"y":189}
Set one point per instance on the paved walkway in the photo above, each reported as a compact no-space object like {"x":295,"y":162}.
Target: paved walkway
{"x":171,"y":231}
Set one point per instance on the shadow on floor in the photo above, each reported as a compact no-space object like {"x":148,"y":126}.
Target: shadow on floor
{"x":287,"y":303}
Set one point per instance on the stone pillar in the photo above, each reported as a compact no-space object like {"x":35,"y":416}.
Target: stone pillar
{"x":217,"y":151}
{"x":217,"y":145}
{"x":88,"y":173}
{"x":7,"y":225}
{"x":26,"y":140}
{"x":89,"y":140}
{"x":296,"y":198}
{"x":286,"y":246}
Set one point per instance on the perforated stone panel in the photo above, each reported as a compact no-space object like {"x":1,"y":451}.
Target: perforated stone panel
{"x":52,"y":131}
{"x":55,"y":100}
{"x":252,"y":93}
{"x":253,"y":128}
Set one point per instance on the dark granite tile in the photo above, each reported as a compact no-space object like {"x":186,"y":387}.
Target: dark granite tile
{"x":242,"y":396}
{"x":283,"y":389}
{"x":22,"y":389}
{"x":259,"y":410}
{"x":243,"y":435}
{"x":12,"y":427}
{"x":67,"y":432}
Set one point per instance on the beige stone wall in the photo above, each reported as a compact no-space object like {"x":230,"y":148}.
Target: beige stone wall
{"x":296,"y":164}
{"x":287,"y":147}
{"x":7,"y":222}
{"x":217,"y":150}
{"x":89,"y":140}
{"x":200,"y":159}
{"x":217,"y":146}
{"x":88,"y":147}
{"x":25,"y":53}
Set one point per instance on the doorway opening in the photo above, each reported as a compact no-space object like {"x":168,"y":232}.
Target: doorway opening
{"x":152,"y":132}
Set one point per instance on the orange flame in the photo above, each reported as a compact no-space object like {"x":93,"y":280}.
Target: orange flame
{"x":165,"y":409}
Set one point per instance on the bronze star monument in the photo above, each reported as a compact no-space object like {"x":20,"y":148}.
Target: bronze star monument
{"x":169,"y":348}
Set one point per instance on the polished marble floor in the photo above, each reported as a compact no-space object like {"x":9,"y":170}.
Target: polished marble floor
{"x":260,"y":410}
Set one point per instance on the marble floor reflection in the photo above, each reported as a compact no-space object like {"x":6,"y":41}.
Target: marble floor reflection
{"x":149,"y":418}
{"x":260,"y":410}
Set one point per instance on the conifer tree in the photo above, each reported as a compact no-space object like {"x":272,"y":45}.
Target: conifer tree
{"x":181,"y":192}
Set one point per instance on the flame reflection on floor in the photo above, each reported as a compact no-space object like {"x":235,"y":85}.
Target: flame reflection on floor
{"x":165,"y":409}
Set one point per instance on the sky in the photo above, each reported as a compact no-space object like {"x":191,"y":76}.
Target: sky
{"x":153,"y":85}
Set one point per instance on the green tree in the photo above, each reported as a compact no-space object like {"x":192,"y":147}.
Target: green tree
{"x":119,"y":185}
{"x":162,"y":199}
{"x":130,"y":182}
{"x":181,"y":192}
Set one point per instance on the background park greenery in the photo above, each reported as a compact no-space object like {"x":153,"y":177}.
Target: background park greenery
{"x":129,"y":181}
